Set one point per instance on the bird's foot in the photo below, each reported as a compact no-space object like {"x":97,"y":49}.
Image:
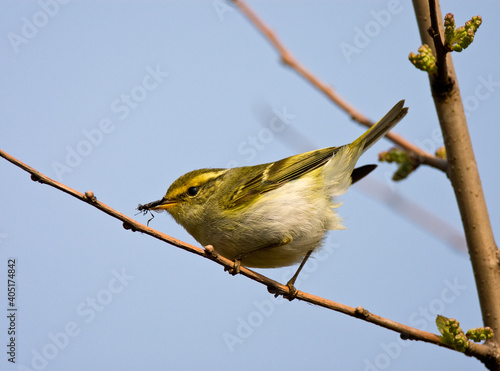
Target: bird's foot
{"x":235,"y":269}
{"x":292,"y":291}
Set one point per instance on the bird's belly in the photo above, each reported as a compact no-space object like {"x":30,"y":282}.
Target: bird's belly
{"x":280,"y":230}
{"x":282,"y":256}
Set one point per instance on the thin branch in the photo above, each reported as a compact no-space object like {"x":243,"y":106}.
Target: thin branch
{"x":274,"y":287}
{"x":288,"y":59}
{"x":441,"y":80}
{"x":464,"y":176}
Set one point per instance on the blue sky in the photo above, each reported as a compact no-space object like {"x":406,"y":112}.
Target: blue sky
{"x":121,"y":98}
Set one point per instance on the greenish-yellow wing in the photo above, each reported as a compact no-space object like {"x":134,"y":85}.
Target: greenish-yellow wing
{"x":274,"y":175}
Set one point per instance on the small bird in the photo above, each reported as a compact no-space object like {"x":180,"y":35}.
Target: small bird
{"x":275,"y":214}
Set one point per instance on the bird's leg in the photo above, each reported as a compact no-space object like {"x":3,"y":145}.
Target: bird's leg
{"x":292,"y":293}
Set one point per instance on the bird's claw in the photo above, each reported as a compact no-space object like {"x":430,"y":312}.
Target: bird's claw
{"x":235,"y":269}
{"x":292,"y":291}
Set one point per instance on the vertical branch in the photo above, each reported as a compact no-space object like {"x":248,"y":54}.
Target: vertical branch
{"x":464,"y":177}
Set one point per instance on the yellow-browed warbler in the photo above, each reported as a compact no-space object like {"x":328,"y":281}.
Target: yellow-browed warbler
{"x":275,"y":214}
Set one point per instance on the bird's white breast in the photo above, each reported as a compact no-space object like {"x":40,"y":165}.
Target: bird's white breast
{"x":301,"y":209}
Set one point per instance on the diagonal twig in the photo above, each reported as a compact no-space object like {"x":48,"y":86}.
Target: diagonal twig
{"x":289,"y":60}
{"x":273,"y":287}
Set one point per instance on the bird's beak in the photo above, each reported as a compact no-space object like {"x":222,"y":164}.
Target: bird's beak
{"x":162,"y":204}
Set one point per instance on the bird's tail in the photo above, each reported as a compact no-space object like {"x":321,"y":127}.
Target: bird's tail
{"x":338,"y":170}
{"x":382,"y":127}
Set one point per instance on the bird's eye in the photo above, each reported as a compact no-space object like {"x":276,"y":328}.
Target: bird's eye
{"x":193,"y":191}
